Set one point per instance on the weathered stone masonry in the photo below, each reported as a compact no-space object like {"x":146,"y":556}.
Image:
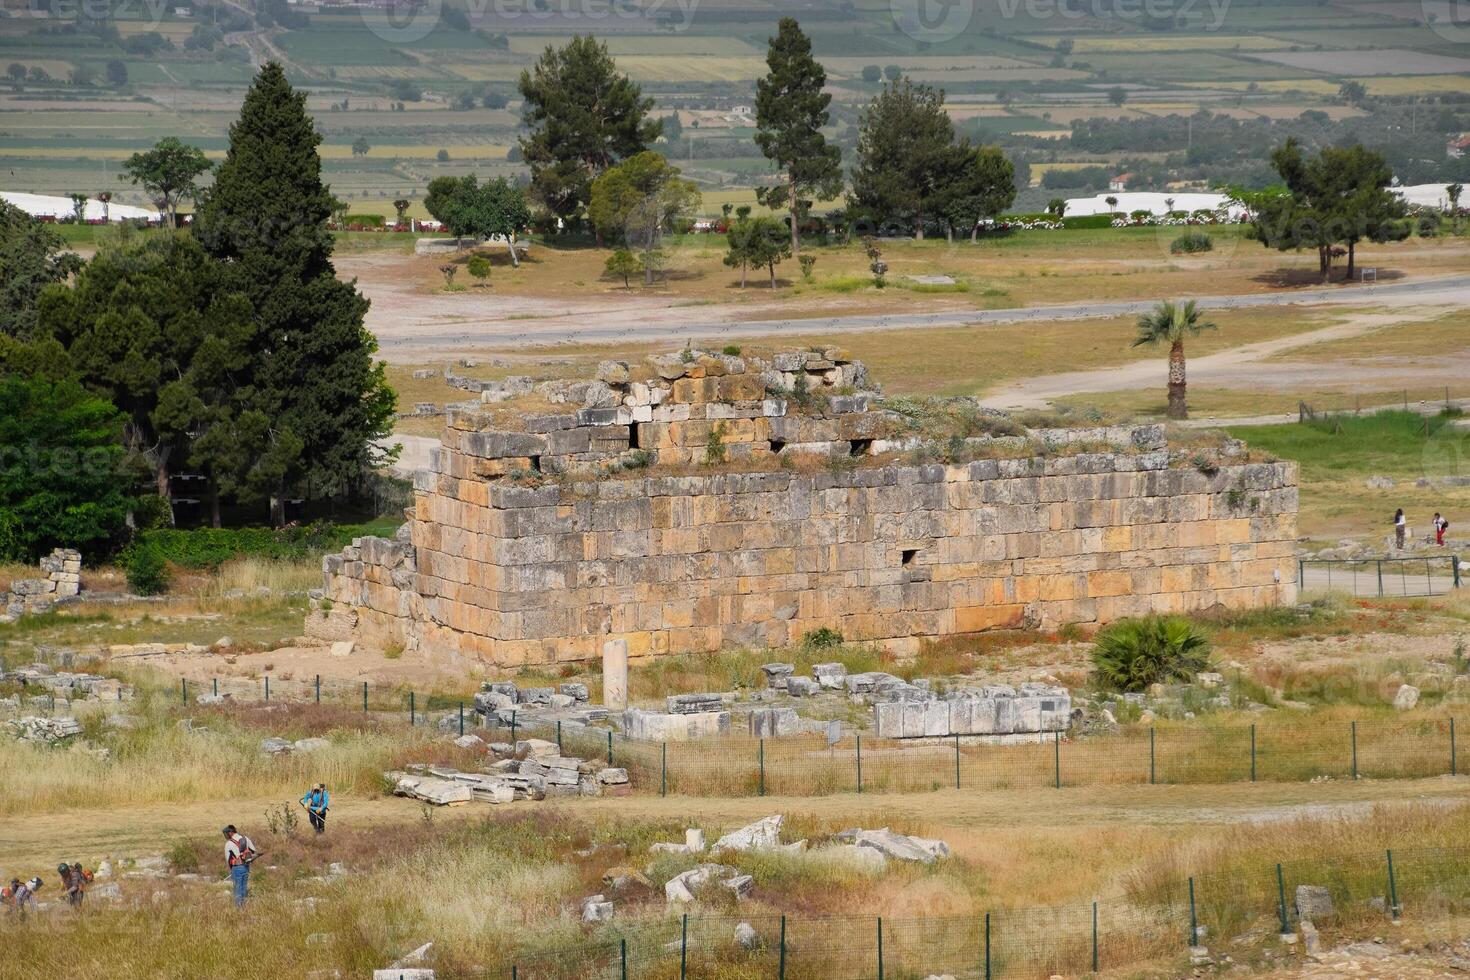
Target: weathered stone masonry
{"x":511,"y":574}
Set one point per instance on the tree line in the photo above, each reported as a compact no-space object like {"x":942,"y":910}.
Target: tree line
{"x":229,"y":352}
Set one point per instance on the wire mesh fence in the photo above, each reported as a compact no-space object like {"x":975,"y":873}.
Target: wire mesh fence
{"x":1292,"y":749}
{"x":1385,"y":577}
{"x":1116,"y":933}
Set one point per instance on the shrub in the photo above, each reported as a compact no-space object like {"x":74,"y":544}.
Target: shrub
{"x":1131,"y":654}
{"x":822,"y":638}
{"x":1191,"y":242}
{"x":479,"y":267}
{"x":733,"y":350}
{"x":147,"y":571}
{"x":211,"y":547}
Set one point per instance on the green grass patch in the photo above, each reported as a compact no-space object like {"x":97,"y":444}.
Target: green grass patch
{"x":1392,"y":443}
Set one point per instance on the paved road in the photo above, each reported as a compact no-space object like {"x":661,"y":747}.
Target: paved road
{"x":670,"y":325}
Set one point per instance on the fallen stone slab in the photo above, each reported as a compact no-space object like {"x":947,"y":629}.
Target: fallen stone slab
{"x":774,"y":722}
{"x":898,"y":847}
{"x":1314,"y":902}
{"x":777,"y":675}
{"x":596,"y":909}
{"x":310,"y":745}
{"x":680,"y":888}
{"x":764,"y":834}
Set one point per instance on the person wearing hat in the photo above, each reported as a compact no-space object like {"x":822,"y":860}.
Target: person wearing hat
{"x":24,"y":894}
{"x":239,"y":853}
{"x":317,"y":802}
{"x":73,"y":882}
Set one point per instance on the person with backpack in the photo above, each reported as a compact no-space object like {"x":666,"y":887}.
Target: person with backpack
{"x":1440,"y":527}
{"x":239,"y":854}
{"x":317,"y":802}
{"x":74,"y":881}
{"x":24,"y":893}
{"x":7,"y":894}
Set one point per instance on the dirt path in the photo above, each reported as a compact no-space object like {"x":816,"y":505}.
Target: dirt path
{"x":36,"y":839}
{"x":1244,"y":366}
{"x":414,"y":327}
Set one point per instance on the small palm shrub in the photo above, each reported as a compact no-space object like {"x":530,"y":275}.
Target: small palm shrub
{"x":1131,"y":654}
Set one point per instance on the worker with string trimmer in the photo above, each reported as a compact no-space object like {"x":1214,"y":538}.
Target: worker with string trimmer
{"x":317,"y":803}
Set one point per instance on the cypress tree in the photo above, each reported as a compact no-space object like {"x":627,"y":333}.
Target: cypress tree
{"x":790,"y":111}
{"x":315,"y":383}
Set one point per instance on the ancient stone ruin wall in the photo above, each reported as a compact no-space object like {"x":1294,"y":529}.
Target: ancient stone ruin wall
{"x":541,"y":533}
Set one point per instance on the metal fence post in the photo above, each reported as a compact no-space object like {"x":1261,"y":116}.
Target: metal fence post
{"x":364,"y":696}
{"x":609,"y":748}
{"x":267,"y":687}
{"x":558,"y":738}
{"x":623,"y":956}
{"x":318,"y":688}
{"x":1355,"y":749}
{"x":1057,"y":746}
{"x":663,"y":778}
{"x":1393,"y":889}
{"x":762,"y":750}
{"x":461,"y":719}
{"x":781,"y":964}
{"x":183,"y":690}
{"x":1153,"y":770}
{"x":860,"y":763}
{"x":956,"y":762}
{"x":514,"y":973}
{"x":1454,"y":758}
{"x":880,"y":947}
{"x":1193,"y":918}
{"x":512,"y":728}
{"x":216,"y":687}
{"x":1094,"y":937}
{"x":1301,"y":574}
{"x":1281,"y":900}
{"x":987,"y":946}
{"x":1380,"y":579}
{"x":1253,"y":752}
{"x":684,"y":947}
{"x":411,"y":709}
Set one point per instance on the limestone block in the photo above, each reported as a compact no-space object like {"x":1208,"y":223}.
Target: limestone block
{"x":654,"y":726}
{"x":774,"y":722}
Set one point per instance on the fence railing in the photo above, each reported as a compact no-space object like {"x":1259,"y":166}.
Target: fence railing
{"x":1365,"y":889}
{"x":1402,"y":747}
{"x":1408,"y":577}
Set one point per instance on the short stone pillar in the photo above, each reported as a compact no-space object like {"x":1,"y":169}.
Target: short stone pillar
{"x":615,"y":675}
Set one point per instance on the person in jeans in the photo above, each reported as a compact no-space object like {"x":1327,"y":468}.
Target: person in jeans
{"x":317,"y":802}
{"x":239,"y":852}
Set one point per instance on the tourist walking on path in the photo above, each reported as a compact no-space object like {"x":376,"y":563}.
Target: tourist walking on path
{"x":317,"y":802}
{"x":239,"y":853}
{"x":1440,"y":527}
{"x":1400,"y":528}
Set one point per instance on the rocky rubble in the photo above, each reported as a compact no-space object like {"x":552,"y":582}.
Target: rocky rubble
{"x":532,"y":769}
{"x":48,"y":731}
{"x":63,"y":581}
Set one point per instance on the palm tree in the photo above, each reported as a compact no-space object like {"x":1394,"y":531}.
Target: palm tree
{"x":1170,"y":324}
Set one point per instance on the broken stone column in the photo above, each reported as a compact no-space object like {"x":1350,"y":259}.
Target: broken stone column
{"x":615,"y":675}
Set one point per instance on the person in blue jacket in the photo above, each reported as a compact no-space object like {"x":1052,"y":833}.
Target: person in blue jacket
{"x":317,"y":802}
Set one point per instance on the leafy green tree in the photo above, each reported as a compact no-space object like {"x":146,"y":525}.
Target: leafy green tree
{"x":401,"y":207}
{"x":1341,"y":196}
{"x":61,"y":480}
{"x":790,"y":111}
{"x":17,"y":72}
{"x":582,"y":116}
{"x":32,"y":256}
{"x":977,"y":183}
{"x":1453,"y":192}
{"x":148,"y":326}
{"x":872,"y":74}
{"x":314,"y":378}
{"x":168,"y":173}
{"x":756,"y":242}
{"x":1057,"y":206}
{"x":1352,"y":92}
{"x":637,"y":200}
{"x":624,"y":265}
{"x":470,"y":209}
{"x":892,"y":72}
{"x":361,"y":146}
{"x":904,"y":136}
{"x":78,"y":208}
{"x":117,"y":73}
{"x":1171,"y":323}
{"x":1118,"y":95}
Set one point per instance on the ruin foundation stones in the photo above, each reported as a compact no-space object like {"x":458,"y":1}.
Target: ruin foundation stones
{"x":702,"y":501}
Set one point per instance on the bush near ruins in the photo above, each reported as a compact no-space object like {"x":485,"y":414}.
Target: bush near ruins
{"x":1192,"y":242}
{"x":1131,"y":654}
{"x":147,"y":571}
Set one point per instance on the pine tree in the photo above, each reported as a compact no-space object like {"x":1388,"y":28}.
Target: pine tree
{"x":903,"y":142}
{"x":583,"y":116}
{"x":790,"y":111}
{"x":313,"y":374}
